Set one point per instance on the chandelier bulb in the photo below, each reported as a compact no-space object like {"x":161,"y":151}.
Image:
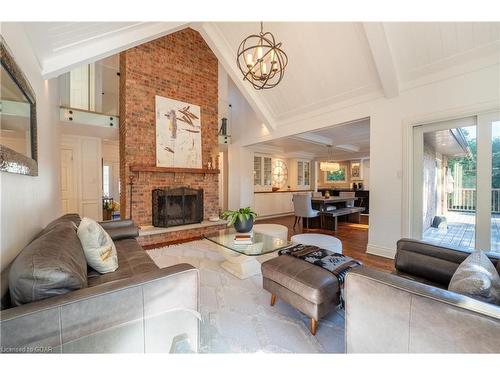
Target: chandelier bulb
{"x":259,"y":53}
{"x":264,"y":69}
{"x":249,"y":60}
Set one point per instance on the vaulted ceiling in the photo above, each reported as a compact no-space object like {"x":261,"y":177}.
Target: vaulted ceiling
{"x":334,"y":62}
{"x":329,"y":63}
{"x":61,"y":46}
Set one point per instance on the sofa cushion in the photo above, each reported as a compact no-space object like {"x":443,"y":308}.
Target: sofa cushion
{"x":133,"y":260}
{"x":98,"y":246}
{"x":72,"y":218}
{"x":476,"y":277}
{"x":52,"y":264}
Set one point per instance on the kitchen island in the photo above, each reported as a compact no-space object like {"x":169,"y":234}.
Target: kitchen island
{"x":274,"y":203}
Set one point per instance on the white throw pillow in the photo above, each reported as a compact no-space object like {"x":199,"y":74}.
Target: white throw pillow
{"x":477,"y":277}
{"x":98,"y":246}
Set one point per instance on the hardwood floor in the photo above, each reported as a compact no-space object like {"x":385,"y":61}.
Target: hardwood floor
{"x":354,"y":239}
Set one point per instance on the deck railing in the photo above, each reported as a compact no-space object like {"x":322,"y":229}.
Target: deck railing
{"x":465,"y":200}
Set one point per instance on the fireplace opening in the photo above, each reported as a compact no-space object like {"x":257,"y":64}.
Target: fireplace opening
{"x":179,"y":206}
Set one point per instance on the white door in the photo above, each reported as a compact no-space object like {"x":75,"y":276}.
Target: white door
{"x":68,"y":181}
{"x":91,"y":180}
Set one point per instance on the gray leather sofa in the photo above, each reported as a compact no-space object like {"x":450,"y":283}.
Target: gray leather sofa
{"x":411,"y":310}
{"x":137,"y":308}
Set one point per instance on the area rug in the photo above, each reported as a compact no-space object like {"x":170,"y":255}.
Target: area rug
{"x":237,"y":316}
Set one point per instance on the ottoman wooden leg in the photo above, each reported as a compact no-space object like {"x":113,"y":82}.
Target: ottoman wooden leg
{"x":314,"y":326}
{"x":273,"y":299}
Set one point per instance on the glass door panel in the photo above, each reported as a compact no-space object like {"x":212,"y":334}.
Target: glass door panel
{"x":445,"y":182}
{"x":495,"y":186}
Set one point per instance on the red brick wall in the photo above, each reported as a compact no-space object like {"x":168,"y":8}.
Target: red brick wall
{"x":179,"y":66}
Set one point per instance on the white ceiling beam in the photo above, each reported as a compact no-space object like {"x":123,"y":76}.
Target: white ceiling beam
{"x":109,"y":44}
{"x":382,"y":56}
{"x":314,"y":138}
{"x":219,"y":46}
{"x":347,"y":148}
{"x":267,"y":149}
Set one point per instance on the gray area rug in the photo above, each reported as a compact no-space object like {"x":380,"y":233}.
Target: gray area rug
{"x":237,"y":317}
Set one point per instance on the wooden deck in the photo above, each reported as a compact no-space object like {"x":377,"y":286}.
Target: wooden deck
{"x":461,"y":231}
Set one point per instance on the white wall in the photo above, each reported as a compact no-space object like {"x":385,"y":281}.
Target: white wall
{"x":29,"y":203}
{"x":388,"y":118}
{"x":244,"y":121}
{"x":366,"y":174}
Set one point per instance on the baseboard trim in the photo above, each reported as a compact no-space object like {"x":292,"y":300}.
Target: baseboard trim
{"x":381,"y":251}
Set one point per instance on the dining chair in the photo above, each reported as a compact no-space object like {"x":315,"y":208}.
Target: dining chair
{"x":348,"y":194}
{"x":302,"y":208}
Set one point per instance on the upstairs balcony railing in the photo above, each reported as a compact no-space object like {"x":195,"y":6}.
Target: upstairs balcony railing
{"x":465,"y":200}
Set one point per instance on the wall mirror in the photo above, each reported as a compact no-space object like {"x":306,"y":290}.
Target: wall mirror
{"x":18,"y":140}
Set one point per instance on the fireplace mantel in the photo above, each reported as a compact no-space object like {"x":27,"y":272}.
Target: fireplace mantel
{"x":145,"y":168}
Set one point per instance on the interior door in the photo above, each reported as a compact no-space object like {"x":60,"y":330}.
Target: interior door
{"x":91,"y":178}
{"x":68,"y":181}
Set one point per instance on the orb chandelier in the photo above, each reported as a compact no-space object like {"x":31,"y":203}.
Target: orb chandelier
{"x":329,"y":166}
{"x":261,"y":60}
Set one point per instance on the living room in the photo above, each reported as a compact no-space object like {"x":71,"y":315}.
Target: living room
{"x":236,"y":187}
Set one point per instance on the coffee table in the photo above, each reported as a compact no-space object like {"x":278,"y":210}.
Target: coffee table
{"x":242,"y":260}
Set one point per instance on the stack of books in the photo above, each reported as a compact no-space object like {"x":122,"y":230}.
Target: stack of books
{"x":243,"y":238}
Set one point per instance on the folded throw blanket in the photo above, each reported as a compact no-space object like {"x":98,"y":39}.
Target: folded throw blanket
{"x":336,"y":263}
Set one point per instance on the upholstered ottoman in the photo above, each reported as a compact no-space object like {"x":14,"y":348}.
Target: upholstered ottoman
{"x":310,"y":289}
{"x":322,"y":241}
{"x":275,"y":230}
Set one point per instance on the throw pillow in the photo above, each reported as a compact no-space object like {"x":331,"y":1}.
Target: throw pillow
{"x":98,"y":246}
{"x":477,"y":277}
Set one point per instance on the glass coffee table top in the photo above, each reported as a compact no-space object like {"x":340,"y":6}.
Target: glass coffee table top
{"x":262,"y":243}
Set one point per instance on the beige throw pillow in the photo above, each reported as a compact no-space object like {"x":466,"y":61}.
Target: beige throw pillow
{"x":98,"y":246}
{"x":477,"y":277}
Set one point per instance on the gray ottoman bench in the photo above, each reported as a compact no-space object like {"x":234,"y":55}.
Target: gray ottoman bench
{"x":310,"y":289}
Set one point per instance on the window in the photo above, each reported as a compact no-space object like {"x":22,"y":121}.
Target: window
{"x":105,"y":180}
{"x":338,"y":176}
{"x":262,"y":171}
{"x":306,"y":173}
{"x":303,"y":173}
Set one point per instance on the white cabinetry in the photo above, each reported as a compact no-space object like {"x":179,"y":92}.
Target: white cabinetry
{"x":270,"y":204}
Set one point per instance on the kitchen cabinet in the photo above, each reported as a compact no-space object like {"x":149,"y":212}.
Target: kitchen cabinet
{"x":273,"y":203}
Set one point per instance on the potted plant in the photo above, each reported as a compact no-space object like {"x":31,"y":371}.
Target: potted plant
{"x":241,"y":219}
{"x":106,"y":209}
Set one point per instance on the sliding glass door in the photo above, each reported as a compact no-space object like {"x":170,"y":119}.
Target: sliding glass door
{"x":495,"y":184}
{"x":456,"y":182}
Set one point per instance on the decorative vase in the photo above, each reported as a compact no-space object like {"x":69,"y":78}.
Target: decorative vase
{"x":243,"y":226}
